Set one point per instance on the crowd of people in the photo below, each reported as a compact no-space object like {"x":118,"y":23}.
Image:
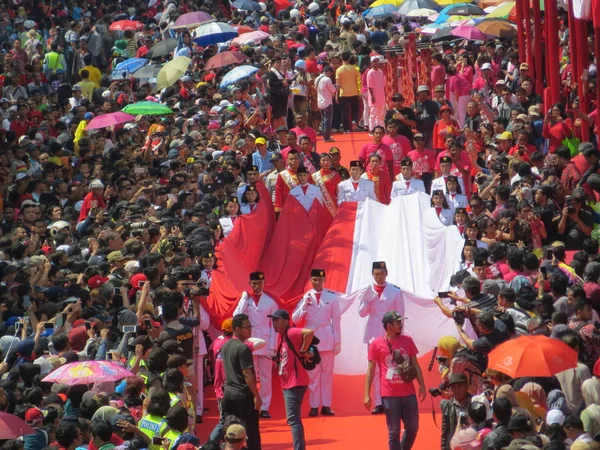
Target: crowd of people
{"x":108,"y":234}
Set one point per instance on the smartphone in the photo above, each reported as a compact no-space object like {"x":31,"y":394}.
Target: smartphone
{"x":143,"y":396}
{"x":445,"y":294}
{"x":159,"y":309}
{"x":544,"y":272}
{"x":129,"y":329}
{"x":148,"y":324}
{"x":49,"y":326}
{"x":88,"y":325}
{"x":116,"y":291}
{"x":157,"y":440}
{"x":140,"y":284}
{"x":26,"y":301}
{"x":548,"y":254}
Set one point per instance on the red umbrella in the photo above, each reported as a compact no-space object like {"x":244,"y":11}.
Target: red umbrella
{"x":126,"y":25}
{"x":225,"y":59}
{"x":532,"y":356}
{"x":244,"y":29}
{"x":12,"y":427}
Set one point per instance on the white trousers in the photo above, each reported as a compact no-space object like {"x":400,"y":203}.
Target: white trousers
{"x":460,"y":108}
{"x":365,"y":99}
{"x":320,"y":381}
{"x":263,"y":367}
{"x":376,"y":115}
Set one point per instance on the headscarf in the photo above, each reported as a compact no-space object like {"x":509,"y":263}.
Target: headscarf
{"x":536,"y":393}
{"x":556,"y":400}
{"x":447,"y":346}
{"x":591,"y":391}
{"x":105,"y":413}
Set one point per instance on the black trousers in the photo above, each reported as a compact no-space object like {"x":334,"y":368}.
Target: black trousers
{"x":242,"y":407}
{"x":349,"y":109}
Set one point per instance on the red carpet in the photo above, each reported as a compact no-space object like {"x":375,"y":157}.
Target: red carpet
{"x":352,"y":427}
{"x":349,"y":145}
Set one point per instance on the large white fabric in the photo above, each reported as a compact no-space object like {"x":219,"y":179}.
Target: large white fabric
{"x":582,"y":9}
{"x":420,"y":254}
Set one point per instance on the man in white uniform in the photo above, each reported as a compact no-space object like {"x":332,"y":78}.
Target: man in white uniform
{"x":257,"y":306}
{"x":305,"y":192}
{"x":252,"y":176}
{"x":355,"y":188}
{"x":405,"y":184}
{"x":320,"y":310}
{"x":445,"y":169}
{"x":375,"y":300}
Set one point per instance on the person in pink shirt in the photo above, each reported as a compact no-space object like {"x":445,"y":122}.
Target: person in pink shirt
{"x":438,"y":70}
{"x":293,"y":345}
{"x":485,"y":82}
{"x":302,"y":129}
{"x":392,"y":353}
{"x":423,"y":161}
{"x":398,"y":144}
{"x":465,"y":67}
{"x":460,"y":94}
{"x":376,"y":96}
{"x":378,"y":147}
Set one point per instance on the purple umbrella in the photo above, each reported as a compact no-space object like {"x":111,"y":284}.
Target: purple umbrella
{"x":108,"y":120}
{"x":469,"y":32}
{"x":192,"y":20}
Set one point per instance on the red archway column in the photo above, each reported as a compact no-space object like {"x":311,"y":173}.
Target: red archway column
{"x":538,"y":47}
{"x":526,"y":13}
{"x":552,"y":49}
{"x":520,"y":32}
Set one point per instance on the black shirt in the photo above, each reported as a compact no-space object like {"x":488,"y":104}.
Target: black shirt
{"x":573,"y":236}
{"x":427,"y":115}
{"x":487,"y":342}
{"x":185,"y":338}
{"x":403,"y":129}
{"x":237,"y":357}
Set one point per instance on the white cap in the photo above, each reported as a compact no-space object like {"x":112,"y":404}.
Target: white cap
{"x":313,"y":7}
{"x":21,"y":175}
{"x":378,"y":58}
{"x":129,"y":126}
{"x":294,"y":13}
{"x":487,"y":66}
{"x":224,"y":104}
{"x":96,"y":184}
{"x":499,"y":82}
{"x":263,"y":6}
{"x":555,"y":416}
{"x":185,"y":79}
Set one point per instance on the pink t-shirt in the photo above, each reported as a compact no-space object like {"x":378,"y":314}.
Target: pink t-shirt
{"x":376,"y":82}
{"x":423,"y":162}
{"x":217,"y":345}
{"x":400,"y":147}
{"x":438,"y":76}
{"x":459,"y":86}
{"x":382,"y":150}
{"x":380,"y":354}
{"x":306,"y":131}
{"x":291,"y":372}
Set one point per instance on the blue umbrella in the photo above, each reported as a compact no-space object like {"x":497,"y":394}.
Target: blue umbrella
{"x":446,"y":12}
{"x":381,"y":12}
{"x":233,"y":76}
{"x":214,"y":33}
{"x":246,"y":5}
{"x":131,"y":65}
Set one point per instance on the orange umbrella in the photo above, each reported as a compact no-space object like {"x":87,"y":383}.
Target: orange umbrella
{"x":532,"y":356}
{"x":245,"y":29}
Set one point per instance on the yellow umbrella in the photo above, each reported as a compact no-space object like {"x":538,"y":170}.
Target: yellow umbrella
{"x":386,"y":2}
{"x":502,"y":11}
{"x":172,"y":71}
{"x":448,"y":2}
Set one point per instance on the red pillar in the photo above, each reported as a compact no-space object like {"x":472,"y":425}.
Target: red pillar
{"x":552,"y":50}
{"x":574,"y":50}
{"x":520,"y":32}
{"x":537,"y":47}
{"x":597,"y":53}
{"x":526,"y":13}
{"x":583,"y":57}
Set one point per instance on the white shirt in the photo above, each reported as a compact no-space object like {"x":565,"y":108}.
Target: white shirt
{"x":261,"y":324}
{"x":325,"y":91}
{"x":457,"y":200}
{"x":306,"y":199}
{"x":375,"y":307}
{"x":399,"y":186}
{"x":440,"y":183}
{"x":227,"y":225}
{"x":365,"y":189}
{"x":322,"y":316}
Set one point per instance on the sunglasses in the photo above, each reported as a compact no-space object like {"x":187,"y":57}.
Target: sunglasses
{"x":419,"y":139}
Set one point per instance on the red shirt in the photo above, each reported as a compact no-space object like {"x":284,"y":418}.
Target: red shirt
{"x":529,"y":149}
{"x":312,"y":66}
{"x":423,"y":161}
{"x":382,"y":150}
{"x":438,"y":76}
{"x":306,"y":131}
{"x":19,"y":128}
{"x":291,"y":372}
{"x":400,"y":147}
{"x":380,"y":352}
{"x":463,"y":161}
{"x":557,"y":133}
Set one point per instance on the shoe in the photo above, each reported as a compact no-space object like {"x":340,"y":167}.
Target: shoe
{"x":198,"y":418}
{"x":354,"y":126}
{"x":329,"y":140}
{"x":205,"y":409}
{"x":314,"y":412}
{"x":334,"y":130}
{"x":327,"y":411}
{"x":377,"y":410}
{"x":266,"y":415}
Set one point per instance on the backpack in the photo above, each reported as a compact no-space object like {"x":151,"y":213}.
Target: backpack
{"x":477,"y":362}
{"x":312,"y":350}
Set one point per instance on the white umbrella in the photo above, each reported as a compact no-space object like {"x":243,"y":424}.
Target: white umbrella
{"x":421,"y":12}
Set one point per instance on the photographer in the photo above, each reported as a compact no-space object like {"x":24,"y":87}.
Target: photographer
{"x":491,"y":333}
{"x":454,"y":410}
{"x":474,"y":303}
{"x":576,"y":224}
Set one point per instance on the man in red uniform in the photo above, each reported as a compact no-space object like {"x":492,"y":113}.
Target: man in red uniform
{"x":380,"y":179}
{"x":327,"y":180}
{"x":286,"y":180}
{"x":379,"y":148}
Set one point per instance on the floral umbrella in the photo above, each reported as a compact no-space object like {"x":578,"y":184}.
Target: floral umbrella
{"x":87,"y":372}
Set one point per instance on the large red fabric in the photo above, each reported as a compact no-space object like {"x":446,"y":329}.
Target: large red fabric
{"x":295,"y":242}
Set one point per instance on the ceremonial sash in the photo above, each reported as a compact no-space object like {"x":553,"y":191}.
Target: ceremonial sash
{"x":291,"y":181}
{"x":375,"y":181}
{"x":320,"y":182}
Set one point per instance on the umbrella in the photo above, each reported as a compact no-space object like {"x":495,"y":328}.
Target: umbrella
{"x":381,"y":12}
{"x":172,"y":71}
{"x":443,"y":34}
{"x":131,"y":65}
{"x":532,"y":356}
{"x":421,"y":12}
{"x":191,"y":20}
{"x":412,"y":5}
{"x":255,"y":36}
{"x":469,"y":32}
{"x":244,"y":29}
{"x":502,"y":11}
{"x":497,"y":27}
{"x":237,"y":74}
{"x":246,"y":5}
{"x":147,"y":108}
{"x":12,"y":427}
{"x":126,"y":25}
{"x":150,"y":71}
{"x":377,"y":3}
{"x":162,"y":48}
{"x":449,"y":2}
{"x":108,"y":120}
{"x":465,"y":9}
{"x":214,"y":33}
{"x":225,"y":59}
{"x":87,"y":372}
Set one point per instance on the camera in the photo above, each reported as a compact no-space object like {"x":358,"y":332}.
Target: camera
{"x":459,"y":317}
{"x":435,"y":392}
{"x":463,"y":419}
{"x":135,"y":226}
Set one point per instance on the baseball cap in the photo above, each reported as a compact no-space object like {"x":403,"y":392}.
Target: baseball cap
{"x":280,"y":314}
{"x":276,"y":156}
{"x":486,"y":66}
{"x":33,"y":415}
{"x":457,"y":378}
{"x":236,"y":432}
{"x":20,"y":176}
{"x":96,"y":184}
{"x":227,"y":326}
{"x":377,"y":58}
{"x":334,"y":151}
{"x":555,"y":416}
{"x":260,"y":141}
{"x":506,"y":136}
{"x":115,"y":256}
{"x":391,"y":317}
{"x":524,"y":66}
{"x":440,"y":87}
{"x":423,"y":88}
{"x":96,"y":281}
